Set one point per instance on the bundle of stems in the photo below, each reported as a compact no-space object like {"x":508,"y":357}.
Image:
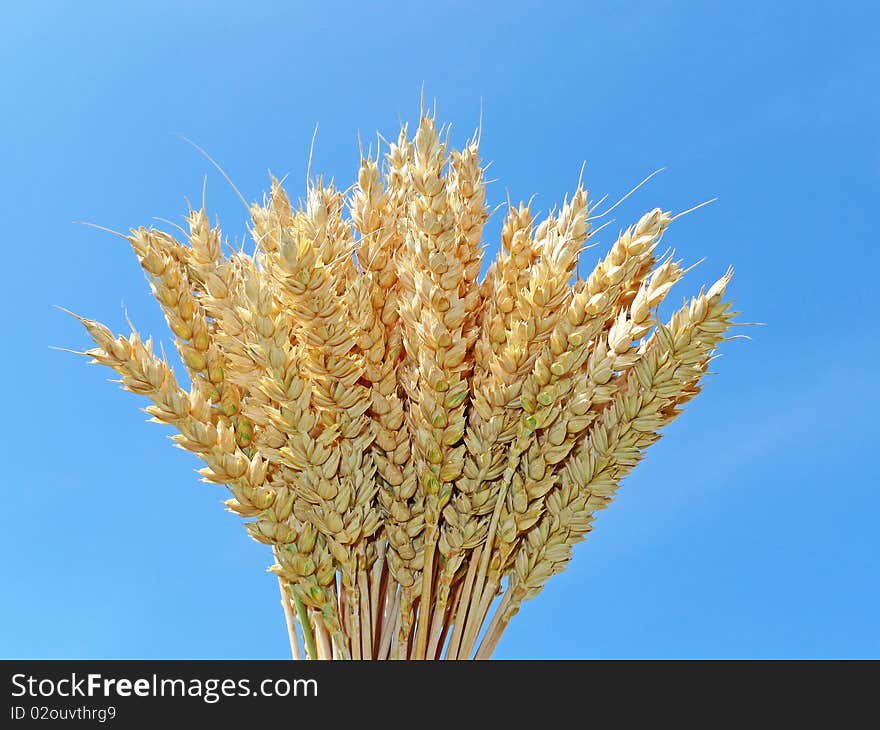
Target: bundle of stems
{"x":420,"y":449}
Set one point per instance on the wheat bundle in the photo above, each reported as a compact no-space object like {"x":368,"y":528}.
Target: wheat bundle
{"x":420,"y":449}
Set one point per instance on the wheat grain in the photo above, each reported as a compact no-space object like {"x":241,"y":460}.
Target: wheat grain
{"x":404,"y":436}
{"x":672,"y":364}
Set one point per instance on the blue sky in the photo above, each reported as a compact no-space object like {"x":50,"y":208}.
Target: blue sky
{"x":751,"y":528}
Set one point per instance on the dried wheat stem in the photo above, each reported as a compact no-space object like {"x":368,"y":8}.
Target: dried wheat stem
{"x":404,"y":623}
{"x":324,"y":649}
{"x":389,"y":625}
{"x":386,"y":604}
{"x":394,"y":650}
{"x":305,"y":624}
{"x":353,"y":619}
{"x":496,"y":626}
{"x":378,"y":584}
{"x":464,"y":600}
{"x":475,"y":621}
{"x":438,"y":620}
{"x":452,"y":607}
{"x":289,"y":621}
{"x":365,"y":616}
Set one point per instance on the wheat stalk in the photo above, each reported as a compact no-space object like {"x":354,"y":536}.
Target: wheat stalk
{"x":410,"y":441}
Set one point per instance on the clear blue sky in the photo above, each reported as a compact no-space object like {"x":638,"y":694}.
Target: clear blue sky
{"x":751,"y":528}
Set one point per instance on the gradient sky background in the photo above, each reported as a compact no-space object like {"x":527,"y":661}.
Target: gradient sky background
{"x":751,"y":528}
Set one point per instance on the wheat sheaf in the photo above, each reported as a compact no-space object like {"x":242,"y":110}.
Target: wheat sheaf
{"x":420,"y":449}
